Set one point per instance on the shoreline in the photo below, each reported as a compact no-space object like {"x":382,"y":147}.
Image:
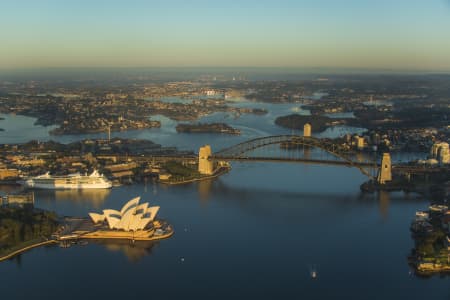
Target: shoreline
{"x":24,"y":249}
{"x":87,"y":237}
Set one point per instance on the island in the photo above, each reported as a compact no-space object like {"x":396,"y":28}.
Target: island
{"x":318,"y":123}
{"x":207,"y":128}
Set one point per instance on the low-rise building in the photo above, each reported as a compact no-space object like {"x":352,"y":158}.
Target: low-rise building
{"x":8,"y":174}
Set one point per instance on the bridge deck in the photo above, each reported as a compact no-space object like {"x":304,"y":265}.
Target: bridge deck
{"x":299,"y":160}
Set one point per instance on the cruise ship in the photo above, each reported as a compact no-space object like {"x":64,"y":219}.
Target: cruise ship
{"x":72,"y":181}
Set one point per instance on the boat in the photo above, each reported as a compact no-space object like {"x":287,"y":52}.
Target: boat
{"x":313,"y":271}
{"x":422,"y":216}
{"x":296,"y":109}
{"x":72,"y":181}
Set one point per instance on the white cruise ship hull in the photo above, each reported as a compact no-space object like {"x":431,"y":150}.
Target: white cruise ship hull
{"x":69,"y":182}
{"x":52,"y":186}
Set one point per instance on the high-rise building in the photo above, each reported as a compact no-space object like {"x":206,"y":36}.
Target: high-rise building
{"x":440,"y":152}
{"x":444,"y":155}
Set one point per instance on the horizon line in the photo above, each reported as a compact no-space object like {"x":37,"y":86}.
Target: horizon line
{"x":278,"y":68}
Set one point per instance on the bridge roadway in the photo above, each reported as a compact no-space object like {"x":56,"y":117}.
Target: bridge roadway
{"x":297,"y":160}
{"x":405,"y":169}
{"x":419,"y":169}
{"x":164,"y":158}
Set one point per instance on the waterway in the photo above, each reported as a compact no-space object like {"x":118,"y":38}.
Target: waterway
{"x":254,"y":233}
{"x":19,"y":129}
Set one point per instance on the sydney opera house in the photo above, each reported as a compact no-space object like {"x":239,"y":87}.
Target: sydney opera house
{"x":132,"y":217}
{"x":134,"y":221}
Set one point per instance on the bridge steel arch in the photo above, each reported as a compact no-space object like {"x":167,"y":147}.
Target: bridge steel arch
{"x":238,"y":151}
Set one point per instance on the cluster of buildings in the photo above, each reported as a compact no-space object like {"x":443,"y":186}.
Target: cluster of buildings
{"x":122,"y":160}
{"x":409,"y":140}
{"x":81,"y":124}
{"x":431,"y":230}
{"x":439,"y":155}
{"x":17,"y":200}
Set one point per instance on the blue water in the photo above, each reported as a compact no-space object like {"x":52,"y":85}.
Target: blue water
{"x":254,"y":233}
{"x":19,"y":129}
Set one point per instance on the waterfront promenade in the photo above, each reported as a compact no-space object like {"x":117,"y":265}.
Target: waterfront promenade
{"x":26,"y":248}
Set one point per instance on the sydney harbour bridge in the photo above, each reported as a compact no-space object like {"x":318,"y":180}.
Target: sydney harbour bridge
{"x":298,"y":149}
{"x":380,"y":170}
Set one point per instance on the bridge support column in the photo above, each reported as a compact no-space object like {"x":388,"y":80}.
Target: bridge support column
{"x":385,"y":172}
{"x":205,"y":166}
{"x":307,"y":130}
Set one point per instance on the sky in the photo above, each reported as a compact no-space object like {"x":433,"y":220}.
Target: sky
{"x":376,"y":34}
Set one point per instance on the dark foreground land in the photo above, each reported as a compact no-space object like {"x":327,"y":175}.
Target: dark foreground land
{"x":23,"y":227}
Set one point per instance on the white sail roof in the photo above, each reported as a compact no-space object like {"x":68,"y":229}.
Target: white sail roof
{"x":132,"y":217}
{"x":96,"y":218}
{"x":130,"y":204}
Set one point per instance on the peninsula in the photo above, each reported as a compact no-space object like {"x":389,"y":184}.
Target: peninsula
{"x":24,"y":227}
{"x":431,"y":234}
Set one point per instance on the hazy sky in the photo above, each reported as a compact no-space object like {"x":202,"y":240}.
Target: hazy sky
{"x":388,"y":34}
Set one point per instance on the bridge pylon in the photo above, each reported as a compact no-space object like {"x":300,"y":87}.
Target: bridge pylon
{"x":385,"y":171}
{"x":205,"y":165}
{"x":307,"y":130}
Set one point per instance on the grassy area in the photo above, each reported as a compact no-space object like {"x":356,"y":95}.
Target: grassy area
{"x":181,"y":172}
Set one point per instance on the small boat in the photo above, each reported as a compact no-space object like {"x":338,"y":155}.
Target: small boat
{"x":313,"y":272}
{"x":422,"y":216}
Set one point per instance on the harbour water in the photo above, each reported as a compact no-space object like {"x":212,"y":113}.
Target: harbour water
{"x":252,"y":233}
{"x":19,"y":129}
